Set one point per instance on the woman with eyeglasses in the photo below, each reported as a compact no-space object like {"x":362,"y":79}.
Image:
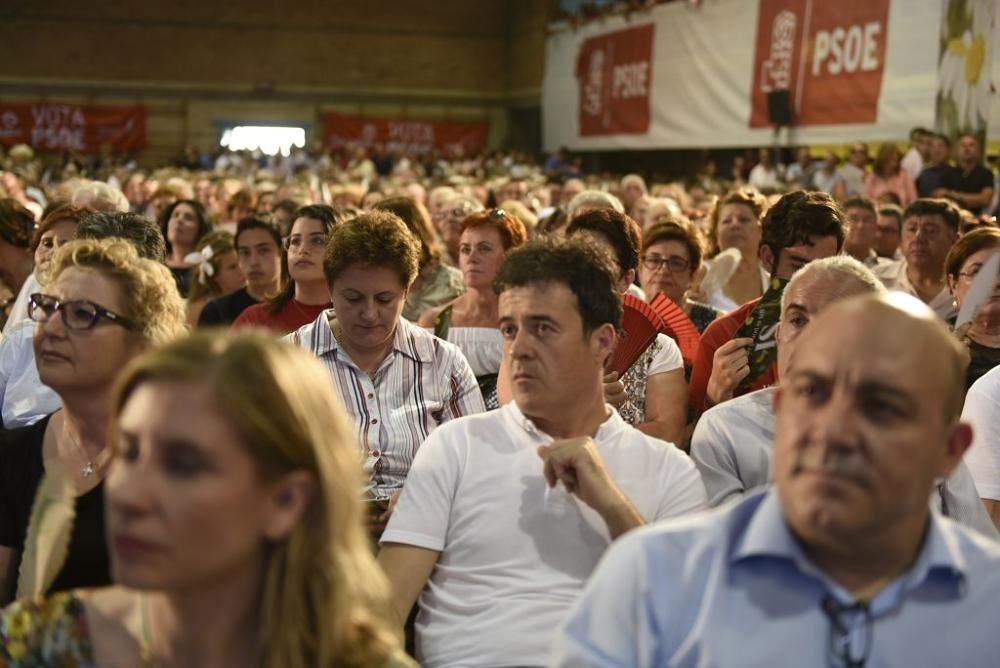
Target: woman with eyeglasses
{"x":671,"y":257}
{"x":236,"y":535}
{"x":449,"y":223}
{"x":470,"y":321}
{"x":104,"y":306}
{"x":962,"y":266}
{"x":57,"y":228}
{"x":398,"y":381}
{"x":306,"y":295}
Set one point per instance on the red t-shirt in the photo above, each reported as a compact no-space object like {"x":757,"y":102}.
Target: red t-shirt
{"x":293,"y":315}
{"x":721,"y":331}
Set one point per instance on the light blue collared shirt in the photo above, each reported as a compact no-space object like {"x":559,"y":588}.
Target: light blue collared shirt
{"x":733,"y":587}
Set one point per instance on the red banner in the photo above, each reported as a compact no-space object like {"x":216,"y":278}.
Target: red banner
{"x":49,"y":127}
{"x":614,"y":73}
{"x":829,"y":56}
{"x":449,"y":138}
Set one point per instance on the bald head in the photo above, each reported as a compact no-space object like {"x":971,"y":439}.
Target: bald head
{"x":867,"y":421}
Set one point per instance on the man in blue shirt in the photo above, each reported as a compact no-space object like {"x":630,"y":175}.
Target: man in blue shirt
{"x":842,"y":563}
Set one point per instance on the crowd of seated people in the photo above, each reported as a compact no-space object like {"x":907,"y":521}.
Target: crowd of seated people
{"x":361,"y":409}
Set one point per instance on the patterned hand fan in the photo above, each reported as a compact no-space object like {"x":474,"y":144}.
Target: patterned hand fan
{"x":640,"y":325}
{"x":678,"y":326}
{"x":761,"y":326}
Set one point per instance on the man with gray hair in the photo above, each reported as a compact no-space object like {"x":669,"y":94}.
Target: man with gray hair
{"x":589,"y":200}
{"x":733,"y":442}
{"x":633,"y":187}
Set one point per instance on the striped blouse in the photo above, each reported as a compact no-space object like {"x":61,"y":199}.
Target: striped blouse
{"x":422,"y":383}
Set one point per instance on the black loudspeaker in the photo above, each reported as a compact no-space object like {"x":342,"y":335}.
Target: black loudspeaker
{"x":779,"y":107}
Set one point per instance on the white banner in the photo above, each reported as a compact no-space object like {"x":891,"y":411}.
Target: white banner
{"x":683,"y":76}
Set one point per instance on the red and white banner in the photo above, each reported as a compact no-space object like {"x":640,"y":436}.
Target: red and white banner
{"x":829,"y":56}
{"x":613,"y":71}
{"x":450,"y":138}
{"x":52,"y":127}
{"x":697,"y":75}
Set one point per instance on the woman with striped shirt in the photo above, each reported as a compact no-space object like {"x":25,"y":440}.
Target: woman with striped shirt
{"x":398,"y":381}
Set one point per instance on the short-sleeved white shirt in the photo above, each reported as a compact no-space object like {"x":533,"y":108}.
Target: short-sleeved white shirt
{"x":514,"y":553}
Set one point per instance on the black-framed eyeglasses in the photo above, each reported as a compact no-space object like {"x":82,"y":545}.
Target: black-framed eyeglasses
{"x":675,"y":263}
{"x":850,"y":643}
{"x":297,"y":241}
{"x":76,"y":313}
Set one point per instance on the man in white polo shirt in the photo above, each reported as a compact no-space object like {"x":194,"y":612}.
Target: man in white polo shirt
{"x":504,"y":515}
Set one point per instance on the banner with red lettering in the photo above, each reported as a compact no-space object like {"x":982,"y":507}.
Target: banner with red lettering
{"x":450,"y":138}
{"x":56,"y":127}
{"x":698,"y":75}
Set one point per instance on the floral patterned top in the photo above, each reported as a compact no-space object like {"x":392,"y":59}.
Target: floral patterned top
{"x":46,"y":633}
{"x":53,"y":633}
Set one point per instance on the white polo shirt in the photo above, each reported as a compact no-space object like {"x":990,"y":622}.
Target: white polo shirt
{"x":514,"y":553}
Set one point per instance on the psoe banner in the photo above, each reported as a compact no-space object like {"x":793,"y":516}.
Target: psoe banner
{"x":448,"y":137}
{"x":697,"y":75}
{"x":829,"y":56}
{"x":56,"y":127}
{"x":614,"y":72}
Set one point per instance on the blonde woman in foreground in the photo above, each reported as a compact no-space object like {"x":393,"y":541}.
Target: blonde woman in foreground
{"x":236,"y":534}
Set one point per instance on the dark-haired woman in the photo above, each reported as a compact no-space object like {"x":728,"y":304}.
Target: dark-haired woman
{"x":183,"y":224}
{"x":307,"y":294}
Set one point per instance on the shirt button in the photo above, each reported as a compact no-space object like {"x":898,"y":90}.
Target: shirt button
{"x":376,"y":453}
{"x":374,"y":420}
{"x":371,"y":396}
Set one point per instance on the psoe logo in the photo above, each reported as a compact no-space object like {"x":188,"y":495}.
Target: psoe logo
{"x":10,"y":125}
{"x":593,"y":87}
{"x":776,"y":71}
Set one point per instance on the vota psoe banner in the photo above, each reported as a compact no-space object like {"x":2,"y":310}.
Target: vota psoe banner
{"x":55,"y":127}
{"x":683,"y":75}
{"x":829,"y":56}
{"x":409,"y":136}
{"x":614,"y":73}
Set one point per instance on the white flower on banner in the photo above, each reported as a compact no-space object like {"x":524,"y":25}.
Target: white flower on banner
{"x":963,"y":75}
{"x":203,"y":260}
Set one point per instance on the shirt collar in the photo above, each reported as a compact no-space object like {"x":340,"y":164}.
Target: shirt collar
{"x":768,"y":535}
{"x":609,"y":428}
{"x":408,"y":340}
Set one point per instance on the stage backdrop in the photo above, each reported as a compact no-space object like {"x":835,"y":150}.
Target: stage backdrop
{"x":684,"y":76}
{"x":51,"y":127}
{"x":450,"y":138}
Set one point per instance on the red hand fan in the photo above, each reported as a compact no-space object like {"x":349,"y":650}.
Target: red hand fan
{"x":640,"y":325}
{"x":678,"y":326}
